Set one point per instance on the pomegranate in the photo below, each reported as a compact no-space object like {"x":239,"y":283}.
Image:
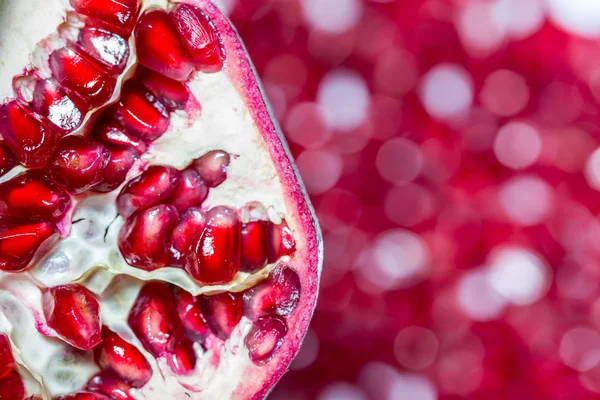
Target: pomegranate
{"x":155,"y":239}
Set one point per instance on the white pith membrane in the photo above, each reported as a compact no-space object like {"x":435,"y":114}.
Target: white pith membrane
{"x":88,"y":254}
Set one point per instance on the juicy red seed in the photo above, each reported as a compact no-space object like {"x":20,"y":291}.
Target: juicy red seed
{"x":84,"y":396}
{"x":115,"y":173}
{"x":188,"y":309}
{"x":153,"y":317}
{"x":191,"y":191}
{"x":31,"y":140}
{"x":122,"y":359}
{"x":141,"y":114}
{"x":7,"y":160}
{"x":200,"y":37}
{"x":160,"y":48}
{"x":277,"y":295}
{"x":265,"y":338}
{"x":144,"y":239}
{"x":107,"y":384}
{"x":154,"y":185}
{"x":171,"y":93}
{"x":186,"y":234}
{"x":20,"y":244}
{"x":212,"y":167}
{"x":79,"y":165}
{"x":72,"y":312}
{"x":222,"y":312}
{"x":113,"y":134}
{"x":216,"y":256}
{"x":108,"y":48}
{"x":254,"y":245}
{"x":76,"y":72}
{"x":52,"y":102}
{"x":7,"y":361}
{"x":182,"y":356}
{"x":281,"y":241}
{"x":11,"y":387}
{"x":121,"y":14}
{"x":32,"y":195}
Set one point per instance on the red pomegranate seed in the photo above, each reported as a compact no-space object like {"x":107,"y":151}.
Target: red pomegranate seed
{"x":254,"y":246}
{"x":154,"y":185}
{"x":115,"y":173}
{"x":122,"y":359}
{"x":7,"y":160}
{"x":52,"y":102}
{"x":108,"y":48}
{"x":107,"y":384}
{"x":11,"y":387}
{"x":121,"y":14}
{"x":144,"y":239}
{"x":190,"y":191}
{"x":188,"y":309}
{"x":170,"y":92}
{"x":160,"y":48}
{"x":113,"y":134}
{"x":141,"y":114}
{"x":76,"y":72}
{"x":72,"y":312}
{"x":212,"y":167}
{"x":265,"y":338}
{"x":216,"y":256}
{"x":30,"y":139}
{"x":222,"y":312}
{"x":32,"y":195}
{"x":200,"y":37}
{"x":7,"y":361}
{"x":20,"y":244}
{"x":277,"y":295}
{"x":153,"y":317}
{"x":84,"y":396}
{"x":281,"y":241}
{"x":182,"y":356}
{"x":79,"y":165}
{"x":186,"y":234}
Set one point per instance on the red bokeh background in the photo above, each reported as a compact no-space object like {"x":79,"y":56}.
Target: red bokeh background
{"x":451,"y":150}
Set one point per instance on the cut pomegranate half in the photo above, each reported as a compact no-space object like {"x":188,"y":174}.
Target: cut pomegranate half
{"x":155,"y":240}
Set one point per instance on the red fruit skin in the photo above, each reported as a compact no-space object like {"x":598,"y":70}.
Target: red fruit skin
{"x":277,"y":295}
{"x":186,"y":233}
{"x":53,"y":103}
{"x":153,"y":317}
{"x":21,"y":244}
{"x":84,"y":396}
{"x":107,"y":48}
{"x":191,"y":191}
{"x":212,"y":167}
{"x":111,"y":133}
{"x":173,"y":94}
{"x":222,"y":312}
{"x":192,"y":320}
{"x":11,"y":387}
{"x":121,"y":14}
{"x":199,"y":36}
{"x":107,"y":384}
{"x":154,"y":185}
{"x":30,"y":139}
{"x":144,"y":239}
{"x":281,"y":241}
{"x":216,"y":256}
{"x":7,"y":361}
{"x":160,"y":48}
{"x":265,"y":338}
{"x":7,"y":160}
{"x":182,"y":356}
{"x":254,"y":246}
{"x":73,"y":313}
{"x":115,"y":173}
{"x":123,"y":359}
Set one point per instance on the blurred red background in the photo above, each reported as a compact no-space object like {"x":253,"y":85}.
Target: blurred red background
{"x":451,"y":150}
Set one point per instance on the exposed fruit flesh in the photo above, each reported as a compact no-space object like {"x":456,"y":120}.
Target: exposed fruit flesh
{"x":21,"y":244}
{"x":7,"y":361}
{"x":222,"y":312}
{"x":109,"y":385}
{"x":121,"y":14}
{"x":11,"y":387}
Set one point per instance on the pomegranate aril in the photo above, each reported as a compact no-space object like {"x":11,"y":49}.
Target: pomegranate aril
{"x":281,"y":241}
{"x":109,"y":385}
{"x":200,"y":37}
{"x":30,"y":139}
{"x":144,"y":239}
{"x":265,"y":338}
{"x":121,"y":14}
{"x":11,"y":387}
{"x":7,"y":160}
{"x":182,"y":356}
{"x":192,"y":320}
{"x":173,"y":94}
{"x":216,"y":256}
{"x":212,"y":167}
{"x":254,"y":246}
{"x":108,"y":48}
{"x":51,"y":101}
{"x":73,"y":313}
{"x":160,"y":48}
{"x":277,"y":295}
{"x":222,"y":312}
{"x":79,"y":165}
{"x":115,"y":173}
{"x":122,"y":359}
{"x":111,"y":133}
{"x":141,"y":114}
{"x":21,"y":244}
{"x":153,"y":317}
{"x":7,"y":361}
{"x":155,"y":185}
{"x":190,"y":191}
{"x":186,"y":234}
{"x":76,"y":72}
{"x":84,"y":396}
